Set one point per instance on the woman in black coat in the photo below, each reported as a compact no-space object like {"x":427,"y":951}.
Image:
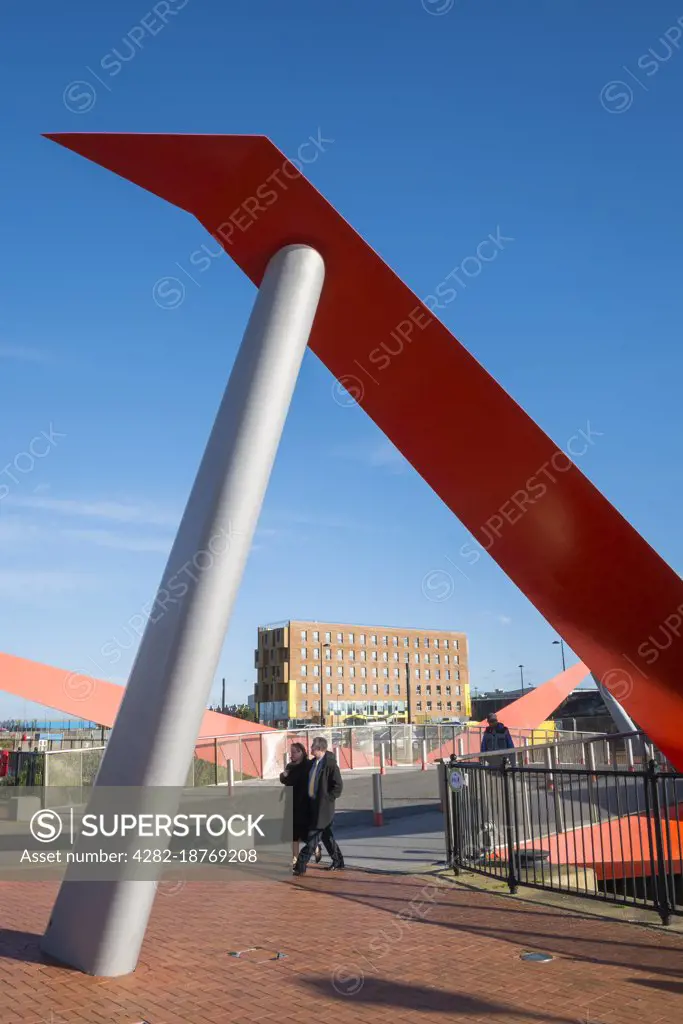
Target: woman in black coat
{"x":295,"y":775}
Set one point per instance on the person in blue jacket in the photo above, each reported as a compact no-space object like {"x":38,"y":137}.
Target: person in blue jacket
{"x":496,"y":736}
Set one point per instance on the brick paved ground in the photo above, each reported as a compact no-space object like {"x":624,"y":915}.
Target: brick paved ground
{"x":369,"y":948}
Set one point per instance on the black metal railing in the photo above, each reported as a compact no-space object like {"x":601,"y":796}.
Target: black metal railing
{"x":605,"y":834}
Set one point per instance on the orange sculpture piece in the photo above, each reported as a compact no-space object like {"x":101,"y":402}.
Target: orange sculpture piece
{"x":612,"y":598}
{"x":94,"y":700}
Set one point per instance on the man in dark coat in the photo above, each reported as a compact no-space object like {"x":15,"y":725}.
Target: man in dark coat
{"x":496,"y":736}
{"x":324,"y":786}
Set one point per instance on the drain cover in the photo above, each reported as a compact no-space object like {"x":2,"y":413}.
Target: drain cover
{"x":536,"y":958}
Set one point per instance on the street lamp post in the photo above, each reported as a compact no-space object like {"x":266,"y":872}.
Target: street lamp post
{"x":323,"y":646}
{"x":408,"y":707}
{"x":561,"y":643}
{"x":521,"y":676}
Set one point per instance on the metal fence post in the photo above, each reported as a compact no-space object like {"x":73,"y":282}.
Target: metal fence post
{"x":215,"y":761}
{"x":231,"y":775}
{"x":424,"y":756}
{"x":629,"y":754}
{"x":592,"y":778}
{"x":659,"y":872}
{"x":509,"y":826}
{"x":382,"y":760}
{"x":557,"y":794}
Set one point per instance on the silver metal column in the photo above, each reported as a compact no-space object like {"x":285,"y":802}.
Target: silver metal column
{"x":98,"y":927}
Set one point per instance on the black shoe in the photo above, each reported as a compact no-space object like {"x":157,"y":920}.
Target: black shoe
{"x":335,"y":867}
{"x":318,"y":854}
{"x":298,"y":871}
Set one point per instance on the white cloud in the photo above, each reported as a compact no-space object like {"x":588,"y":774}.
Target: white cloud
{"x":109,"y":539}
{"x":33,"y":584}
{"x":20,"y":354}
{"x":114,"y":511}
{"x":381,"y":454}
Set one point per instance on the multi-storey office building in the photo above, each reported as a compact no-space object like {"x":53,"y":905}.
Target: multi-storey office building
{"x":337,"y":672}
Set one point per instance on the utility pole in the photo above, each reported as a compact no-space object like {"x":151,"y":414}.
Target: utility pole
{"x":223,"y":700}
{"x":521,"y":676}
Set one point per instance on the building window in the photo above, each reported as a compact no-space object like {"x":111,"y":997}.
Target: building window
{"x":304,"y":634}
{"x":303,"y":670}
{"x":436,"y":641}
{"x":418,"y":705}
{"x":448,"y":691}
{"x":316,"y":670}
{"x":352,"y":671}
{"x":438,"y":689}
{"x":315,"y":687}
{"x":316,"y":705}
{"x":363,"y":687}
{"x":316,"y":653}
{"x":385,"y":672}
{"x":396,"y":674}
{"x":303,"y":687}
{"x":426,"y":641}
{"x":351,"y":639}
{"x":427,"y":675}
{"x":456,"y":645}
{"x":437,"y":673}
{"x":385,"y":655}
{"x":457,"y":691}
{"x":340,"y":638}
{"x":340,"y":670}
{"x":458,"y":705}
{"x":448,"y":673}
{"x":446,"y":659}
{"x":373,"y":638}
{"x":427,"y":658}
{"x":436,"y":659}
{"x":328,"y":654}
{"x":363,"y":655}
{"x":395,"y":655}
{"x":456,"y":659}
{"x":418,"y":688}
{"x":374,"y":655}
{"x":328,"y":637}
{"x":429,"y":705}
{"x":304,"y":706}
{"x":387,"y":689}
{"x":278,"y":637}
{"x":449,"y":706}
{"x":340,"y":687}
{"x":374,"y":673}
{"x":316,"y":636}
{"x":363,"y":671}
{"x":328,"y":687}
{"x":428,"y":689}
{"x":385,"y":640}
{"x":303,"y":653}
{"x":406,"y":641}
{"x":416,"y":673}
{"x":445,"y":643}
{"x":439,"y":706}
{"x":328,"y":670}
{"x":397,"y":688}
{"x":416,"y":642}
{"x":456,"y":674}
{"x":340,"y":653}
{"x":375,"y":688}
{"x":362,"y":638}
{"x":352,"y":655}
{"x":416,"y":659}
{"x":352,"y":688}
{"x":394,"y":641}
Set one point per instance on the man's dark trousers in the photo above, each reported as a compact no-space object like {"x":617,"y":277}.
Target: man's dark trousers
{"x":326,"y":837}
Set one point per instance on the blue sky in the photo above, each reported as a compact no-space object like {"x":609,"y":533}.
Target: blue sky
{"x":554,"y":123}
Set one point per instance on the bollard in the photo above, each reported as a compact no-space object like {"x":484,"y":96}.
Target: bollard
{"x":550,"y":783}
{"x":337,"y":755}
{"x":382,"y":760}
{"x":608,"y":759}
{"x":424,"y":755}
{"x":231,"y":775}
{"x":461,"y":747}
{"x":377,"y":808}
